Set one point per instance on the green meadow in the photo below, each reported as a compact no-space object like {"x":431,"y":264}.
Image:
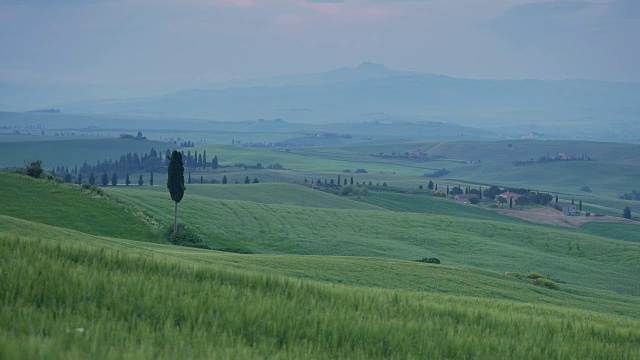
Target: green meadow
{"x":297,"y":272}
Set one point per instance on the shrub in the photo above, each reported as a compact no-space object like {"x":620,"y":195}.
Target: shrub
{"x":35,"y":169}
{"x":474,"y":201}
{"x":429,"y":260}
{"x":546,"y":283}
{"x":185,"y":237}
{"x":535,"y":275}
{"x":585,"y":189}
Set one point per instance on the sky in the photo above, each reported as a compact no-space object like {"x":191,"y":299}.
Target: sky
{"x":189,"y":42}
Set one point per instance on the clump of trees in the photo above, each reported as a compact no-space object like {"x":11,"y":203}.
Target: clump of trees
{"x":633,"y":195}
{"x":354,"y":190}
{"x":429,"y":260}
{"x":626,"y":213}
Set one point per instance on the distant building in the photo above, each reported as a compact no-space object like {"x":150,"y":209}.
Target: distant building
{"x":507,"y":196}
{"x":465,"y":198}
{"x":568,"y":209}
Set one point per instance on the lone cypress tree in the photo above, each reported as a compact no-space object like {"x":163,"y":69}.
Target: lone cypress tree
{"x":114,"y":179}
{"x":175,"y":183}
{"x":126,"y":180}
{"x":189,"y":177}
{"x":580,"y":205}
{"x":224,"y":179}
{"x":140,"y":181}
{"x":201,"y":180}
{"x":151,"y":179}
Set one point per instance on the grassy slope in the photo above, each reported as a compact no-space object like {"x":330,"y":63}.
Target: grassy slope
{"x":72,"y":152}
{"x":272,"y":193}
{"x":194,"y":303}
{"x":67,"y":206}
{"x":175,"y":309}
{"x":491,"y":244}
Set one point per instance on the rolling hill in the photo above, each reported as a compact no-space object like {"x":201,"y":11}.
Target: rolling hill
{"x":200,"y":303}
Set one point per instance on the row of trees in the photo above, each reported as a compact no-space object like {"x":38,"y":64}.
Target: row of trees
{"x":132,"y":162}
{"x":105,"y":180}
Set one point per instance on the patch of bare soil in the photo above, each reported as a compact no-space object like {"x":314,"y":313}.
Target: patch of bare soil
{"x":550,"y":216}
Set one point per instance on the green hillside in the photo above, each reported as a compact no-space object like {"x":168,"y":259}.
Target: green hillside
{"x":175,"y":309}
{"x":184,"y":302}
{"x":495,"y":244}
{"x":68,"y":206}
{"x":271,"y":193}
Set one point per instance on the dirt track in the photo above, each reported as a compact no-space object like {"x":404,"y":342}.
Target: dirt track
{"x":554,"y":217}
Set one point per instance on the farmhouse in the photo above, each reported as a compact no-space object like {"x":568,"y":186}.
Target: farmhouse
{"x":508,"y":195}
{"x":465,"y":198}
{"x":568,"y":209}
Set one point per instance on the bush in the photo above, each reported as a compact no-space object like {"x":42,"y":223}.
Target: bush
{"x":429,"y":260}
{"x":585,"y":189}
{"x":474,"y":201}
{"x":35,"y":169}
{"x":535,"y":275}
{"x":92,"y":189}
{"x":185,"y":237}
{"x":546,"y":283}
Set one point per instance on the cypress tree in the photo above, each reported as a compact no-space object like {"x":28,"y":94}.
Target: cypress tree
{"x":140,"y":181}
{"x":255,"y":181}
{"x":79,"y":178}
{"x":430,"y":185}
{"x":224,"y":179}
{"x":338,"y":179}
{"x":175,"y":183}
{"x":126,"y":180}
{"x":201,"y":180}
{"x":351,"y":182}
{"x":204,"y":159}
{"x":447,"y":190}
{"x":105,"y":179}
{"x":189,"y":177}
{"x":151,"y":179}
{"x":510,"y":202}
{"x":626,"y":213}
{"x":114,"y":179}
{"x":580,"y":205}
{"x":92,"y":179}
{"x":247,"y":181}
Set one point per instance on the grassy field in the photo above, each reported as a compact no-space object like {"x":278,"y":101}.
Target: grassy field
{"x":68,"y":206}
{"x":496,"y":244}
{"x":60,"y":276}
{"x":328,"y":276}
{"x":177,"y":308}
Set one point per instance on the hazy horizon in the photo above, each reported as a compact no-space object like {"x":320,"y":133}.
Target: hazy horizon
{"x":174,"y":44}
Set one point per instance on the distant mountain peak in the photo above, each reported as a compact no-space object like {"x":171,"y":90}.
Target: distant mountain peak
{"x":368,"y":65}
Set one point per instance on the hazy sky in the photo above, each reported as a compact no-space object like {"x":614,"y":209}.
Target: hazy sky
{"x":184,"y":42}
